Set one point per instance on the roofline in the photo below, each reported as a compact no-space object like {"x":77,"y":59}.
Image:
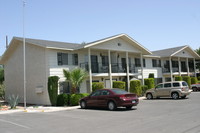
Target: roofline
{"x":59,"y":48}
{"x":178,"y":51}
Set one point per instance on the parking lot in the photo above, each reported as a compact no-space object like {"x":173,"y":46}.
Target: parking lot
{"x":152,"y":116}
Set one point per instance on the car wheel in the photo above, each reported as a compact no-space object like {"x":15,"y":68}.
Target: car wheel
{"x":129,"y":107}
{"x":194,"y":89}
{"x":83,"y":104}
{"x":111,"y":105}
{"x":149,"y":96}
{"x":175,"y":95}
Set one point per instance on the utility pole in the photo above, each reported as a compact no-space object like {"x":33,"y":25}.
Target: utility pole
{"x":24,"y":55}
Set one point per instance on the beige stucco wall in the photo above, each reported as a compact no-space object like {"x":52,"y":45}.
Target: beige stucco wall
{"x":35,"y":74}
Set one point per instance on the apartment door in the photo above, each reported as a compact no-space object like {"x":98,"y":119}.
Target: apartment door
{"x":124,"y":64}
{"x":94,"y":63}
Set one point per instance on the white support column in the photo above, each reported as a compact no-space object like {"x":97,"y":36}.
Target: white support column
{"x":127,"y":72}
{"x":110,"y":69}
{"x":188,"y":70}
{"x":141,"y":60}
{"x":179,"y":65}
{"x":171,"y":71}
{"x":194,"y":67}
{"x":90,"y":68}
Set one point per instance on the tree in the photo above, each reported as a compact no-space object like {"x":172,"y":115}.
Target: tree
{"x":197,"y":51}
{"x":76,"y":77}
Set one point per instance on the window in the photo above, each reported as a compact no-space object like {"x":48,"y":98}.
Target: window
{"x":104,"y":60}
{"x":156,"y":63}
{"x":137,"y":62}
{"x":105,"y":92}
{"x":176,"y":84}
{"x":75,"y":59}
{"x":144,"y":63}
{"x":62,"y":58}
{"x":96,"y":93}
{"x":167,"y":85}
{"x":184,"y":84}
{"x":159,"y":86}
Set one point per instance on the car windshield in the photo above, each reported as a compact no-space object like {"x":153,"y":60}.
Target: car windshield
{"x":119,"y":91}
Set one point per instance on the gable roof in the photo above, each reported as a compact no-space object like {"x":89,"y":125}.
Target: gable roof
{"x":122,"y":36}
{"x":173,"y":51}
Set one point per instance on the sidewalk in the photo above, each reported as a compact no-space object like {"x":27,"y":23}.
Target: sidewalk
{"x":35,"y":109}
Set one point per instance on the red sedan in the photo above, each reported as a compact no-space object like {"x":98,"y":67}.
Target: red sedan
{"x":110,"y":98}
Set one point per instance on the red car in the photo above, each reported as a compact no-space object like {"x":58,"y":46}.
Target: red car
{"x":110,"y":98}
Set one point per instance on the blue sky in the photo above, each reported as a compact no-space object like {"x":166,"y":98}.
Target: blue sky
{"x":156,"y":24}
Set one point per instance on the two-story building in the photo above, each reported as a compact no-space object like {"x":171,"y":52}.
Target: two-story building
{"x":116,"y":58}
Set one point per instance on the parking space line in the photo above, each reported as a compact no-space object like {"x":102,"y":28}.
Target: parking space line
{"x":13,"y":123}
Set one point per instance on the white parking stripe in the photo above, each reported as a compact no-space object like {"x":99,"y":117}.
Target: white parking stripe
{"x":14,"y":124}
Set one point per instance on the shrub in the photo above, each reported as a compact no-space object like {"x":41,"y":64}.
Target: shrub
{"x":119,"y":84}
{"x":194,"y":80}
{"x":97,"y":85}
{"x":151,"y":75}
{"x":13,"y":101}
{"x":187,"y":79}
{"x":178,"y":78}
{"x":63,"y":100}
{"x":2,"y":91}
{"x":198,"y":78}
{"x":135,"y":87}
{"x":74,"y":98}
{"x":144,"y":89}
{"x":53,"y":89}
{"x":149,"y":82}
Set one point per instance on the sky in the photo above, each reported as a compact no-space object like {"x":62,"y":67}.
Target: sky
{"x":155,"y":24}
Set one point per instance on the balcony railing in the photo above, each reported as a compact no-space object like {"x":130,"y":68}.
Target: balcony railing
{"x":104,"y":68}
{"x":176,"y":69}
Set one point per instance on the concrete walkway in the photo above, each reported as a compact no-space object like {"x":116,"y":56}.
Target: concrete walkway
{"x":35,"y":109}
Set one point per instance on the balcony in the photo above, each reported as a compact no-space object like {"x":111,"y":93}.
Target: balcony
{"x":104,"y":68}
{"x":176,"y":69}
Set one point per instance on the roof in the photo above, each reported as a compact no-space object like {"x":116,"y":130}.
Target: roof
{"x":123,"y":36}
{"x":173,"y":51}
{"x":49,"y":44}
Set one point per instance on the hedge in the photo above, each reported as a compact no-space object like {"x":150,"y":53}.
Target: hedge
{"x":63,"y":100}
{"x":198,"y":78}
{"x":144,"y":89}
{"x":194,"y":80}
{"x":119,"y":84}
{"x":74,"y":98}
{"x":97,"y":85}
{"x":53,"y":89}
{"x":135,"y":87}
{"x":149,"y":82}
{"x":187,"y":79}
{"x":178,"y":78}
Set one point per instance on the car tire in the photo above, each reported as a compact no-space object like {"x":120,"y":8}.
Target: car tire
{"x":129,"y":107}
{"x":149,"y":96}
{"x":83,"y":104}
{"x":194,"y":89}
{"x":112,"y":106}
{"x":175,"y":95}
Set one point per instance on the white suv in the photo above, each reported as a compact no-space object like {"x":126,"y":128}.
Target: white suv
{"x":174,"y":89}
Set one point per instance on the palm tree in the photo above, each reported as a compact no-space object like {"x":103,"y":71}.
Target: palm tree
{"x":76,"y":77}
{"x":197,"y":51}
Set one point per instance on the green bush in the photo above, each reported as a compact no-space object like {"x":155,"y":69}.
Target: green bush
{"x":178,"y":78}
{"x":135,"y":87}
{"x":149,"y":82}
{"x":198,"y":78}
{"x":97,"y":85}
{"x":194,"y":80}
{"x":119,"y":84}
{"x":144,"y":89}
{"x":151,"y":75}
{"x":187,"y":79}
{"x":63,"y":100}
{"x":74,"y":98}
{"x":53,"y":89}
{"x":2,"y":91}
